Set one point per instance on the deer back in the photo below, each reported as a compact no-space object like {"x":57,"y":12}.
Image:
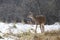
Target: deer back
{"x":40,"y":19}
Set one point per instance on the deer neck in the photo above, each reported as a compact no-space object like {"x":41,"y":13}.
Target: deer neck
{"x":33,"y":18}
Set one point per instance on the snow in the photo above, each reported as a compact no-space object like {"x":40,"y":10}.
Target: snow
{"x":20,"y":28}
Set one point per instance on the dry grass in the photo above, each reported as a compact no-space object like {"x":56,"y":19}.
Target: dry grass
{"x":52,"y":35}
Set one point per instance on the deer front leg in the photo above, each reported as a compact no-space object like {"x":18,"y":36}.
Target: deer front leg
{"x":36,"y":27}
{"x":42,"y":28}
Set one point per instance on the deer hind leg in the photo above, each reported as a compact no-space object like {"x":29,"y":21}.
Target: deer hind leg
{"x":42,"y":27}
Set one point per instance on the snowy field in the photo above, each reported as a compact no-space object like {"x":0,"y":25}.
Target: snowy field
{"x":20,"y":28}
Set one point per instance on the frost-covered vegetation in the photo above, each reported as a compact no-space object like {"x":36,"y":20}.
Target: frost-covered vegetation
{"x":19,"y":31}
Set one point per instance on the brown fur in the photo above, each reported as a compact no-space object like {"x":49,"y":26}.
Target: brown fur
{"x":39,"y":20}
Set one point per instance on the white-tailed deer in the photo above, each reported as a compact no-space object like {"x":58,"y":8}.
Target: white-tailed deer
{"x":39,"y":20}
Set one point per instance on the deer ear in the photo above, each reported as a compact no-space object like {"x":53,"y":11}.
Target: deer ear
{"x":31,"y":13}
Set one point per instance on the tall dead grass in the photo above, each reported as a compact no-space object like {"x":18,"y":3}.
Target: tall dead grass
{"x":52,"y":35}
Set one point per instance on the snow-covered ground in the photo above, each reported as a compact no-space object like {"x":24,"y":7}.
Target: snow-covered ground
{"x":20,"y":28}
